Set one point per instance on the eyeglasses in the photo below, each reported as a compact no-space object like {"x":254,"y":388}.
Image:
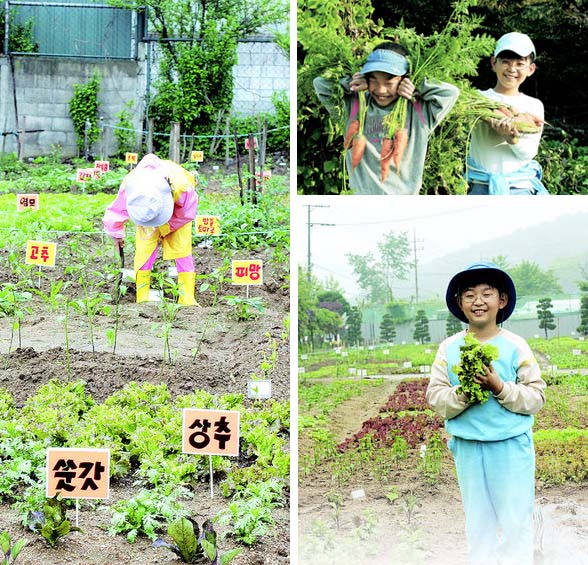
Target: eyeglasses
{"x":471,"y":297}
{"x":517,"y":65}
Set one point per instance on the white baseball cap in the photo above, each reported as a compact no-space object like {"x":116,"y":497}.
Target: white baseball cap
{"x":149,"y":198}
{"x":516,"y":42}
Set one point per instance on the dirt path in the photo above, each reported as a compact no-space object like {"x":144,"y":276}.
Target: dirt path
{"x":425,"y":524}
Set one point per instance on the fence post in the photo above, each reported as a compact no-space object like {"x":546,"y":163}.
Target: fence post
{"x":263,"y":147}
{"x":22,"y":136}
{"x":150,"y":135}
{"x":174,"y":143}
{"x":228,"y":141}
{"x":102,"y":139}
{"x":86,"y":148}
{"x":238,"y":157}
{"x":252,"y":179}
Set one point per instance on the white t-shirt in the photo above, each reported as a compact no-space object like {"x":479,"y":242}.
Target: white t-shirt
{"x":490,"y":150}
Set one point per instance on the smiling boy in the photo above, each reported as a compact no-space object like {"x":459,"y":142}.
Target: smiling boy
{"x":491,"y":442}
{"x":501,"y":159}
{"x":385,"y":76}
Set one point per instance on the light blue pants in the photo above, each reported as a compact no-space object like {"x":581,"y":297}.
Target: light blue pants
{"x":497,"y":484}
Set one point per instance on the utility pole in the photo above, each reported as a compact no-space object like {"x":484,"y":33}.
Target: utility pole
{"x":309,"y":224}
{"x":416,"y":263}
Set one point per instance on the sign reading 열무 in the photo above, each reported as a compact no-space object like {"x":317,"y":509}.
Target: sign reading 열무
{"x":78,"y":473}
{"x":207,"y":225}
{"x":210,"y":432}
{"x":247,"y":272}
{"x":41,"y":253}
{"x":24,"y":201}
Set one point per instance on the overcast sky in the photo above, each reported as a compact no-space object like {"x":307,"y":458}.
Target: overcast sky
{"x":442,"y":225}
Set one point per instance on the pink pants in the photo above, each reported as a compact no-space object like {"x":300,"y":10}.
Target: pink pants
{"x":183,"y":264}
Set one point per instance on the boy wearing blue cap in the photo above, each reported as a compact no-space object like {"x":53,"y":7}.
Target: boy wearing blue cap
{"x":501,"y":160}
{"x":491,"y":441}
{"x":385,"y":76}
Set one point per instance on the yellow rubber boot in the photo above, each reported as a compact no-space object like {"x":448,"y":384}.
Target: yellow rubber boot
{"x":142,"y":281}
{"x":187,"y":289}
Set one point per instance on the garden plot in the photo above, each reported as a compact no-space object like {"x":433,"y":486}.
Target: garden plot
{"x":71,"y":358}
{"x":396,"y":498}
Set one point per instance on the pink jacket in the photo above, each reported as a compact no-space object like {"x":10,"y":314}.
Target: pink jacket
{"x":183,"y":190}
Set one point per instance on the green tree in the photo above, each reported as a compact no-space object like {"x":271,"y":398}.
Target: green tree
{"x":582,"y":329}
{"x":545,"y":315}
{"x":196,"y":74}
{"x":377,"y":275}
{"x":530,"y":279}
{"x":354,"y":336}
{"x":453,"y":325}
{"x":421,"y":327}
{"x":387,"y":328}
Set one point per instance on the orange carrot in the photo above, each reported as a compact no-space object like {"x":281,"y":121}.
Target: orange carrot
{"x":351,"y":131}
{"x":386,"y":157}
{"x":357,"y":149}
{"x":508,"y":112}
{"x":400,"y":143}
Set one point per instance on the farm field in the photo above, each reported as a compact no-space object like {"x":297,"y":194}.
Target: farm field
{"x":377,"y":483}
{"x":81,"y":369}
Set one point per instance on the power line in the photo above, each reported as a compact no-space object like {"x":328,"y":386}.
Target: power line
{"x":309,"y":224}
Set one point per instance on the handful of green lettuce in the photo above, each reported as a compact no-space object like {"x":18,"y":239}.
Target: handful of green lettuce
{"x":474,"y":355}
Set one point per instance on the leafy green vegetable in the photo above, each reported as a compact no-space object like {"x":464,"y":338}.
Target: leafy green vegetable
{"x":10,"y":551}
{"x":52,"y":523}
{"x":195,"y":545}
{"x":474,"y":356}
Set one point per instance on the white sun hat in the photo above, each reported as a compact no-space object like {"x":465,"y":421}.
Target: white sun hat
{"x":516,"y":42}
{"x":149,"y":198}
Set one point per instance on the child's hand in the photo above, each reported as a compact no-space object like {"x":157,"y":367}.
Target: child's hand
{"x":358,"y":83}
{"x":506,"y":129}
{"x":490,"y":380}
{"x":406,"y":88}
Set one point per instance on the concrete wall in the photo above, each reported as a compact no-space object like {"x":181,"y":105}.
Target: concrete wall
{"x":44,"y":87}
{"x":261,"y":70}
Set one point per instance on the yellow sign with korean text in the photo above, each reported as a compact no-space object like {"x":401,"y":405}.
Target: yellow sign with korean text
{"x":197,"y":156}
{"x":210,"y":432}
{"x":41,"y":253}
{"x":247,"y":272}
{"x":131,"y":158}
{"x":77,"y":472}
{"x":207,"y":225}
{"x":24,"y":201}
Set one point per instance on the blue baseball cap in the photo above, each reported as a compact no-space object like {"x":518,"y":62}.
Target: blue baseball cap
{"x":386,"y":61}
{"x":478,"y":272}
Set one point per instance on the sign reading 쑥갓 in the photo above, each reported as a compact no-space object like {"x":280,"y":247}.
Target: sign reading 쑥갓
{"x":197,"y":156}
{"x":247,"y":272}
{"x":78,"y":472}
{"x":210,"y":432}
{"x":41,"y":253}
{"x":24,"y":201}
{"x":207,"y":225}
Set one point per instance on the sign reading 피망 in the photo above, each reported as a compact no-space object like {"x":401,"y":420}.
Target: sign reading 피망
{"x":207,"y":225}
{"x":210,"y":432}
{"x":197,"y":156}
{"x":247,"y":272}
{"x":131,"y":158}
{"x":78,"y":472}
{"x":24,"y":201}
{"x":41,"y":253}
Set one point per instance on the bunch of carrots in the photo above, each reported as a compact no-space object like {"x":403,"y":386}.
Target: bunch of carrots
{"x":354,"y":137}
{"x":479,"y":107}
{"x":396,"y":139}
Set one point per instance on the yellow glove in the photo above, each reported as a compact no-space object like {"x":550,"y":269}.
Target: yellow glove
{"x":164,"y":230}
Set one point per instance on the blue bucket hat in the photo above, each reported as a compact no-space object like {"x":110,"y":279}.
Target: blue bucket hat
{"x":475,"y":274}
{"x":386,"y":61}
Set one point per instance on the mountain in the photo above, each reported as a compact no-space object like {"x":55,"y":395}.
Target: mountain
{"x":560,"y":245}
